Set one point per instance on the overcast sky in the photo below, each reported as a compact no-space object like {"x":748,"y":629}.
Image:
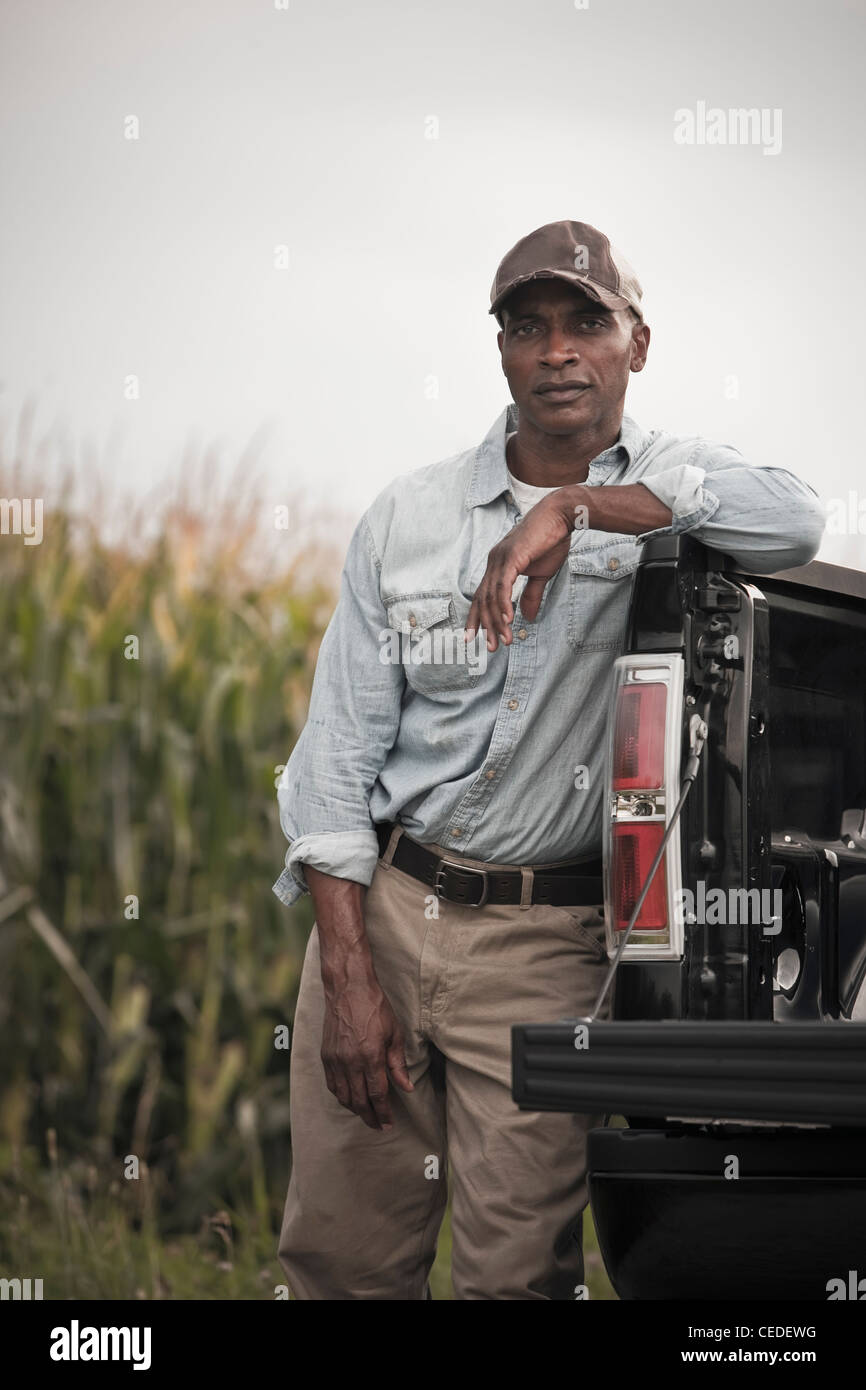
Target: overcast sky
{"x":372,"y":352}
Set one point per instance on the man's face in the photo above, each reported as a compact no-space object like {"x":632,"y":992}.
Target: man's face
{"x":566,"y":358}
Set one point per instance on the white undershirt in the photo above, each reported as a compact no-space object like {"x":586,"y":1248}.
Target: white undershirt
{"x":525,"y":494}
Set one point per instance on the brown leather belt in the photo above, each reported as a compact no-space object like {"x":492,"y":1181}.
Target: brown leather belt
{"x":562,"y":886}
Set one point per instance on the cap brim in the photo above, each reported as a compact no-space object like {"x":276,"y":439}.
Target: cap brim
{"x":579,"y":282}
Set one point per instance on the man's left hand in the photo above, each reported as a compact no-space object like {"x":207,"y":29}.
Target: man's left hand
{"x":537,"y":546}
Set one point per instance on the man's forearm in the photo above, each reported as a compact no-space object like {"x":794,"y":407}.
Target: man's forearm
{"x":629,"y":508}
{"x":343,"y":945}
{"x":363,"y":1046}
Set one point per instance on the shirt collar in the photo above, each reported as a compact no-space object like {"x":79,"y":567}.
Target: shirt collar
{"x":489,"y":477}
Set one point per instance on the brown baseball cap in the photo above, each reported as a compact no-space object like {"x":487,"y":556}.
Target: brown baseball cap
{"x":571,"y":251}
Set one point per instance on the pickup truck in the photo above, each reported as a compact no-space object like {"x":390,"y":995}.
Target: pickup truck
{"x":735,"y":1047}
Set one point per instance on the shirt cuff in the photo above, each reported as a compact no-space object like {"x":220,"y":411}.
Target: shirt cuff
{"x":682,"y":489}
{"x":351,"y":854}
{"x":286,"y":888}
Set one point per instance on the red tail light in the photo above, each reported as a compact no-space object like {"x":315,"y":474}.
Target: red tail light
{"x":644,"y":742}
{"x":639,"y":737}
{"x":634,"y":847}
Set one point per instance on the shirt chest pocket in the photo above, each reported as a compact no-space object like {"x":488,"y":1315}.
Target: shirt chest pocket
{"x":601,"y":568}
{"x":433,"y":653}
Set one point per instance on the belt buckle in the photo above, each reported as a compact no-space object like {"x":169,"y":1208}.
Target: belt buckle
{"x":463,"y":869}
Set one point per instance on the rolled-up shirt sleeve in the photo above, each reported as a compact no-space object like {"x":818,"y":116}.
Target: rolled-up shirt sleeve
{"x":323,"y":792}
{"x":765,"y":518}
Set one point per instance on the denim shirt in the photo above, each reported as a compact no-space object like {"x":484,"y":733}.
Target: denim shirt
{"x":505,"y":764}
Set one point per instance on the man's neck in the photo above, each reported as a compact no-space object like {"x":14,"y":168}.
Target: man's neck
{"x":552,"y":460}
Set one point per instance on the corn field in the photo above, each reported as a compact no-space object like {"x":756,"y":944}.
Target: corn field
{"x":151,"y":686}
{"x":148,"y":691}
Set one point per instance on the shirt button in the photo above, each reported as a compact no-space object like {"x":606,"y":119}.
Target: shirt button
{"x":512,"y":704}
{"x":455,"y":833}
{"x":412,"y":620}
{"x":522,"y":633}
{"x":613,"y":563}
{"x":491,"y":772}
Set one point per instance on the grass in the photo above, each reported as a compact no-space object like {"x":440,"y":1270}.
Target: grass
{"x":88,"y":1236}
{"x":91,"y":1235}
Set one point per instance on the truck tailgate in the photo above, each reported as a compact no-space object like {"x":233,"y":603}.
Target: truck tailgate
{"x":807,"y":1073}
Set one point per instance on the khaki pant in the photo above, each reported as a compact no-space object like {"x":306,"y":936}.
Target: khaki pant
{"x":364,"y":1207}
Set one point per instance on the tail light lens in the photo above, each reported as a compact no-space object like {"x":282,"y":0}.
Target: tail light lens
{"x":639,"y":736}
{"x":634,"y":848}
{"x":643,"y":771}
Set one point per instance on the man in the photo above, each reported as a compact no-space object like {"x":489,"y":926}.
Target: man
{"x":443,"y":803}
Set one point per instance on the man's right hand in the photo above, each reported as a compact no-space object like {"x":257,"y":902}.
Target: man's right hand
{"x":362,"y":1041}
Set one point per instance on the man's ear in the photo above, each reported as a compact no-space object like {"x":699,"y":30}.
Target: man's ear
{"x":500,"y":338}
{"x":640,"y":341}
